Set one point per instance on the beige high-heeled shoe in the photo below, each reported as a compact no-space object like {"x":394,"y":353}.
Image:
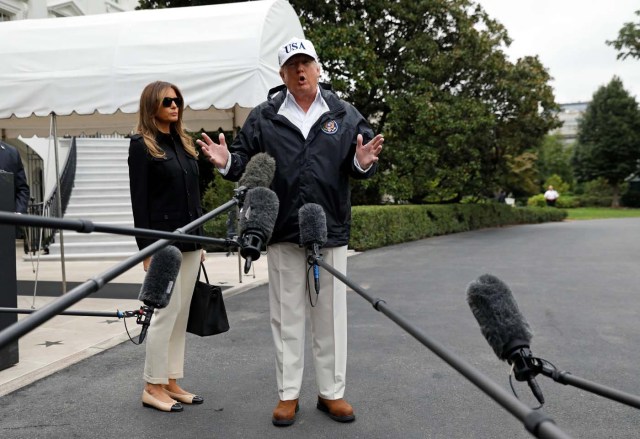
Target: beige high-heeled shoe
{"x":185,"y":398}
{"x":149,"y":400}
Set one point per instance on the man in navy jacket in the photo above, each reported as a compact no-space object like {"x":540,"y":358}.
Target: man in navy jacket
{"x":318,"y":142}
{"x":10,"y":162}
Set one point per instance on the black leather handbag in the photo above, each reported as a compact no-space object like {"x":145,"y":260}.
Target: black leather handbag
{"x":207,"y":313}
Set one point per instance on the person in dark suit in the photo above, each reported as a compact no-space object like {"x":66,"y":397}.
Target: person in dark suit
{"x":319,"y":143}
{"x":165,"y":195}
{"x":10,"y":161}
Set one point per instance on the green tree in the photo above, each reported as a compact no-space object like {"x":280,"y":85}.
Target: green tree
{"x":628,"y":41}
{"x":609,"y":138}
{"x":554,"y":158}
{"x":432,"y":76}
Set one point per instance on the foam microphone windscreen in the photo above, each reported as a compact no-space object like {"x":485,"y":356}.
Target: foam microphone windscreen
{"x":259,"y":171}
{"x":313,"y":225}
{"x":259,"y":212}
{"x":497,"y":313}
{"x":161,"y":276}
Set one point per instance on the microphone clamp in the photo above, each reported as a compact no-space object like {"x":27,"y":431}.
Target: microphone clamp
{"x":144,"y":319}
{"x":123,"y":314}
{"x":144,"y":315}
{"x":312,"y":259}
{"x":250,"y":247}
{"x":240,"y":193}
{"x":525,"y":365}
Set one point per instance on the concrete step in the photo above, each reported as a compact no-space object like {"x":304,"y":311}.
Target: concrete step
{"x":82,"y":163}
{"x":83,"y":248}
{"x":114,"y":256}
{"x":119,"y":154}
{"x":102,"y":182}
{"x":118,"y":198}
{"x":103,"y":217}
{"x":102,"y":166}
{"x":102,"y":144}
{"x":103,"y":151}
{"x":101,"y":195}
{"x":95,"y":174}
{"x":95,"y":237}
{"x":98,"y":191}
{"x":104,"y":206}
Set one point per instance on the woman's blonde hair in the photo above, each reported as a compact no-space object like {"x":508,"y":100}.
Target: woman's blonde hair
{"x":150,"y":102}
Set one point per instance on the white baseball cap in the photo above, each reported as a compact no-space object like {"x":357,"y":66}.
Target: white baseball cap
{"x":296,"y":46}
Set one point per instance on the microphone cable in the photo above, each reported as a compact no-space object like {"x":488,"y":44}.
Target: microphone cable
{"x":309,"y":268}
{"x":138,"y":315}
{"x":542,"y":362}
{"x":128,"y":334}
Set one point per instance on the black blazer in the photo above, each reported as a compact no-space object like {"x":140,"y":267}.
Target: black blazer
{"x":165,"y":192}
{"x":10,"y":162}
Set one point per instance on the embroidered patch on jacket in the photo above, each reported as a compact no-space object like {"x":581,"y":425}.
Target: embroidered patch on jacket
{"x":330,"y":127}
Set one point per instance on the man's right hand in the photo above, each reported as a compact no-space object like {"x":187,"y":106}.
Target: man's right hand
{"x":216,"y":153}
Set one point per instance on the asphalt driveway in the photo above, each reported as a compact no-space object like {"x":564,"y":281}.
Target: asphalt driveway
{"x":575,"y":282}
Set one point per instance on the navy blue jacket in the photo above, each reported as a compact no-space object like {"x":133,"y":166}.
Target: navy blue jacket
{"x":10,"y":162}
{"x":165,"y":193}
{"x":315,"y":170}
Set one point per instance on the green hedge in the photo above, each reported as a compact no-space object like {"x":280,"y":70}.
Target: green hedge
{"x":379,"y":226}
{"x":572,"y":201}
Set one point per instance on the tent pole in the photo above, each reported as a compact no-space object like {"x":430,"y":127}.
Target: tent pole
{"x":234,"y":132}
{"x":54,"y":132}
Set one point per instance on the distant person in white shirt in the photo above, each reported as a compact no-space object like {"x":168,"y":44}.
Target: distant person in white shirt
{"x":550,"y":196}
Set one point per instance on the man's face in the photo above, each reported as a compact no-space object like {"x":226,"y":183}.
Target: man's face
{"x":301,"y":75}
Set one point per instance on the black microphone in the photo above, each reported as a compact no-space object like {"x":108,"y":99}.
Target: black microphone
{"x":158,"y":284}
{"x":259,"y":171}
{"x":505,"y":329}
{"x":313,"y":235}
{"x":257,"y":219}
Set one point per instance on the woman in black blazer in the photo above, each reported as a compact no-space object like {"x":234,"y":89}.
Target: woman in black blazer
{"x":165,"y":195}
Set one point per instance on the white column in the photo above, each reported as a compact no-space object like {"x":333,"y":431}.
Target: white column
{"x":37,"y":9}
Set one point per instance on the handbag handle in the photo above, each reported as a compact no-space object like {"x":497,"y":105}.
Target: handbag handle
{"x":206,"y":278}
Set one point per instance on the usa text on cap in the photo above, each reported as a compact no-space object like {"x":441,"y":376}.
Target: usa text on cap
{"x":296,"y":46}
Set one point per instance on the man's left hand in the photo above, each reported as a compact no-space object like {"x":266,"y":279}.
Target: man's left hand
{"x":367,"y":154}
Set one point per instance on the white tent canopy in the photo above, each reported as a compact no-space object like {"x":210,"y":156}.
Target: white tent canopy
{"x":89,"y":71}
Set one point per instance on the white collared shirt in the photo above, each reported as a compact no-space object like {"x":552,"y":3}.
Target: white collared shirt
{"x":296,"y":115}
{"x":304,"y":121}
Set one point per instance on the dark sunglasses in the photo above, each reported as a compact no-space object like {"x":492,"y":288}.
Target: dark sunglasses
{"x":166,"y":102}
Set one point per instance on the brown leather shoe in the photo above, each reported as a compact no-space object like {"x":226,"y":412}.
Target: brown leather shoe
{"x":285,"y":413}
{"x":338,"y":409}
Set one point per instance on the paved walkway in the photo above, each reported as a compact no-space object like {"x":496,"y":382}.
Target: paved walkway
{"x":65,"y":340}
{"x":575,"y":282}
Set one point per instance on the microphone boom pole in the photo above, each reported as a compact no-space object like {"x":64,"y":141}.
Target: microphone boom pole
{"x":566,"y":378}
{"x":118,"y":314}
{"x":86,"y":226}
{"x":535,"y":421}
{"x":47,"y":312}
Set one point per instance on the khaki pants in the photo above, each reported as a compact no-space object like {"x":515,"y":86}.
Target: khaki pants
{"x":288,"y":301}
{"x":167,"y":332}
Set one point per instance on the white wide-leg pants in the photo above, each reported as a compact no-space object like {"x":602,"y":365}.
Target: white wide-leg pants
{"x":289,"y":300}
{"x":167,"y":331}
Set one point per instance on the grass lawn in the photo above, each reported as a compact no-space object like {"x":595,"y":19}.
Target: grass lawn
{"x":587,"y":213}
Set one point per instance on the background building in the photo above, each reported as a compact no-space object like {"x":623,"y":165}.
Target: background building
{"x":25,"y":9}
{"x":570,"y":115}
